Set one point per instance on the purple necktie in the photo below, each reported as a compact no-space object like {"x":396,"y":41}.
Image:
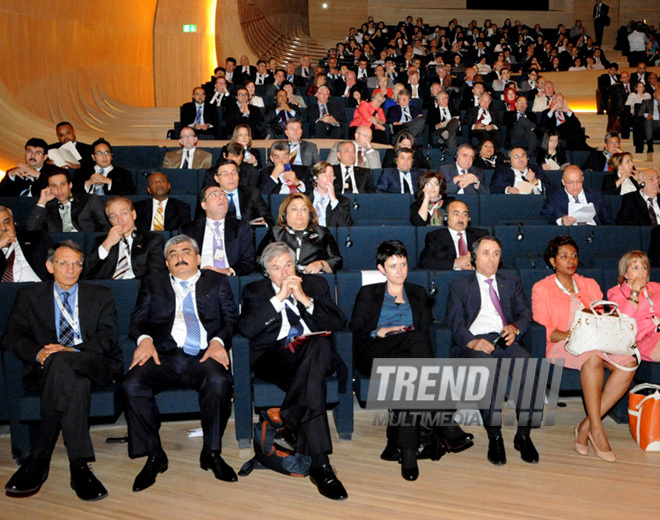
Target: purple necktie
{"x":496,"y":301}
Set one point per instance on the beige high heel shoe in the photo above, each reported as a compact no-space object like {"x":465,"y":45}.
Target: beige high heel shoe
{"x":607,"y":456}
{"x":580,"y":448}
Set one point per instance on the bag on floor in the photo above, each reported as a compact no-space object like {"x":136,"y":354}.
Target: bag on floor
{"x":644,"y":416}
{"x":267,"y":455}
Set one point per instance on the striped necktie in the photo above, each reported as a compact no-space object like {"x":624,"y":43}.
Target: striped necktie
{"x":8,"y":275}
{"x":66,"y":330}
{"x":123,"y":263}
{"x":159,"y":220}
{"x":192,"y":345}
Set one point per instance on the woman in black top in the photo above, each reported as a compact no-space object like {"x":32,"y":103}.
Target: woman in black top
{"x":428,"y":209}
{"x":405,"y":139}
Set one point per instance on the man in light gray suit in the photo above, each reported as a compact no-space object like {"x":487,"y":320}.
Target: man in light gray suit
{"x":366,"y":156}
{"x":303,"y":153}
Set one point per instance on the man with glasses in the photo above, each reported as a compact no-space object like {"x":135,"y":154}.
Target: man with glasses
{"x":104,"y":178}
{"x":241,"y":111}
{"x":225,"y":242}
{"x":189,"y":157}
{"x":66,"y":334}
{"x":561,"y":206}
{"x":125,"y":253}
{"x":201,"y":115}
{"x":29,"y":178}
{"x":183,"y":323}
{"x":462,"y":177}
{"x":519,"y":177}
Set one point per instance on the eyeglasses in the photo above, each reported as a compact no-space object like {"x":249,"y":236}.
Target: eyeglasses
{"x":65,"y":264}
{"x":433,"y":184}
{"x":519,"y":156}
{"x":579,"y":181}
{"x":100,"y":154}
{"x":232,"y":173}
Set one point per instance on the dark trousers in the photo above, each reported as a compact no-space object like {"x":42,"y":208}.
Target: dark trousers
{"x":326,"y":131}
{"x":493,"y":135}
{"x":452,"y":128}
{"x":66,"y":385}
{"x":210,"y":379}
{"x":302,"y":375}
{"x":414,"y":344}
{"x":514,"y":351}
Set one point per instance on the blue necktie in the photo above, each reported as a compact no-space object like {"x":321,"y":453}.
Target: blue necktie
{"x":231,"y":211}
{"x":193,"y":332}
{"x":66,"y":331}
{"x":296,"y":328}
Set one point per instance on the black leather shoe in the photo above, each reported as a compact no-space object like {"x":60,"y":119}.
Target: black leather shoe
{"x":328,"y":484}
{"x":460,"y":443}
{"x":390,"y":453}
{"x":286,"y":438}
{"x":147,"y":477}
{"x":524,"y":444}
{"x":411,"y":473}
{"x":213,"y":460}
{"x":86,"y":485}
{"x":29,"y":477}
{"x":496,"y":453}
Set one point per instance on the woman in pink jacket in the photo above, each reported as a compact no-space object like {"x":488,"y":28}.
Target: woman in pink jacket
{"x":640,"y":299}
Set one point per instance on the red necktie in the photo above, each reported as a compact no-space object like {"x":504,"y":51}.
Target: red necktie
{"x":8,"y":275}
{"x":462,"y":245}
{"x":654,"y":219}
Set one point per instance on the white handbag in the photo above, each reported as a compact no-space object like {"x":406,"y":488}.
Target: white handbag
{"x":612,"y":333}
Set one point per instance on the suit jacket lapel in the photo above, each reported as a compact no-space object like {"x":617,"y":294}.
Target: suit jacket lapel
{"x":48,"y":315}
{"x":473,"y":293}
{"x":504,"y":293}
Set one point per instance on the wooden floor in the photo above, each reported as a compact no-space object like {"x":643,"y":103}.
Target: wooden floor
{"x":563,"y":485}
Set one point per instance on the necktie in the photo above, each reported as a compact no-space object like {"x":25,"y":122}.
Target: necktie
{"x":406,"y":115}
{"x":319,"y":204}
{"x":122,"y":264}
{"x":481,"y":115}
{"x":8,"y":275}
{"x":652,"y":216}
{"x":293,"y":152}
{"x":231,"y":211}
{"x":67,"y":222}
{"x":348,"y":181}
{"x":283,"y":118}
{"x":159,"y":218}
{"x":27,"y":192}
{"x":324,"y":111}
{"x":360,"y":157}
{"x":66,"y":330}
{"x":260,"y":79}
{"x":295,"y":325}
{"x":405,"y":182}
{"x":462,"y":245}
{"x":219,"y":260}
{"x":576,"y":198}
{"x":442,"y":114}
{"x":98,"y":188}
{"x":187,"y":162}
{"x":198,"y":116}
{"x":193,"y":333}
{"x":496,"y":301}
{"x":561,"y":118}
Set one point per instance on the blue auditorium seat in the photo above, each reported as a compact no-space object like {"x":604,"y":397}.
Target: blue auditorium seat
{"x":380,"y":208}
{"x":362,"y":255}
{"x":138,"y":157}
{"x":525,"y":242}
{"x":500,"y":209}
{"x":605,"y":241}
{"x":21,"y":208}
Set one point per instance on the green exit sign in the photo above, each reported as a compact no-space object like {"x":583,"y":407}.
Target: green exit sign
{"x":189,"y":28}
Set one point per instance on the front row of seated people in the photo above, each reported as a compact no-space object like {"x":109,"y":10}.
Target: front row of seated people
{"x":65,"y":332}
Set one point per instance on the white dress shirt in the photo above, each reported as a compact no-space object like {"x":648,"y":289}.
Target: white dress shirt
{"x":488,"y":320}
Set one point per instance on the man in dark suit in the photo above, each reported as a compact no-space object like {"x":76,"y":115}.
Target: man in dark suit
{"x":601,"y":20}
{"x":249,"y":176}
{"x":283,"y":177}
{"x":125,"y":253}
{"x":161,"y":212}
{"x":66,"y":335}
{"x":331,"y":209}
{"x":404,"y":116}
{"x":471,"y":95}
{"x":276,"y":83}
{"x":350,"y":178}
{"x":348,"y":89}
{"x":566,"y":122}
{"x":480,"y":309}
{"x":484,"y":121}
{"x":246,"y":70}
{"x":245,"y":202}
{"x":104,"y":178}
{"x":521,"y":124}
{"x":241,"y":112}
{"x":222,"y":93}
{"x":23,"y":255}
{"x":276,"y":310}
{"x":641,"y":208}
{"x":448,"y":248}
{"x":461,"y":176}
{"x":509,"y":177}
{"x":200,"y":115}
{"x":605,"y":83}
{"x":66,"y":134}
{"x":556,"y":207}
{"x":403,"y":178}
{"x":649,"y":112}
{"x":301,"y":153}
{"x":29,"y":178}
{"x":277,"y":115}
{"x":58,"y":210}
{"x":597,"y":159}
{"x":183,"y":323}
{"x":226,"y":243}
{"x":444,"y":122}
{"x":326,"y":115}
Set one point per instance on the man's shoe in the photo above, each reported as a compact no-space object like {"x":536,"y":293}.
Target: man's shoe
{"x":523,"y":443}
{"x":328,"y":484}
{"x":455,"y":438}
{"x":155,"y":464}
{"x":29,"y":477}
{"x":496,"y":453}
{"x":411,"y":474}
{"x":213,"y":460}
{"x":390,"y":453}
{"x":86,"y":485}
{"x":286,"y":438}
